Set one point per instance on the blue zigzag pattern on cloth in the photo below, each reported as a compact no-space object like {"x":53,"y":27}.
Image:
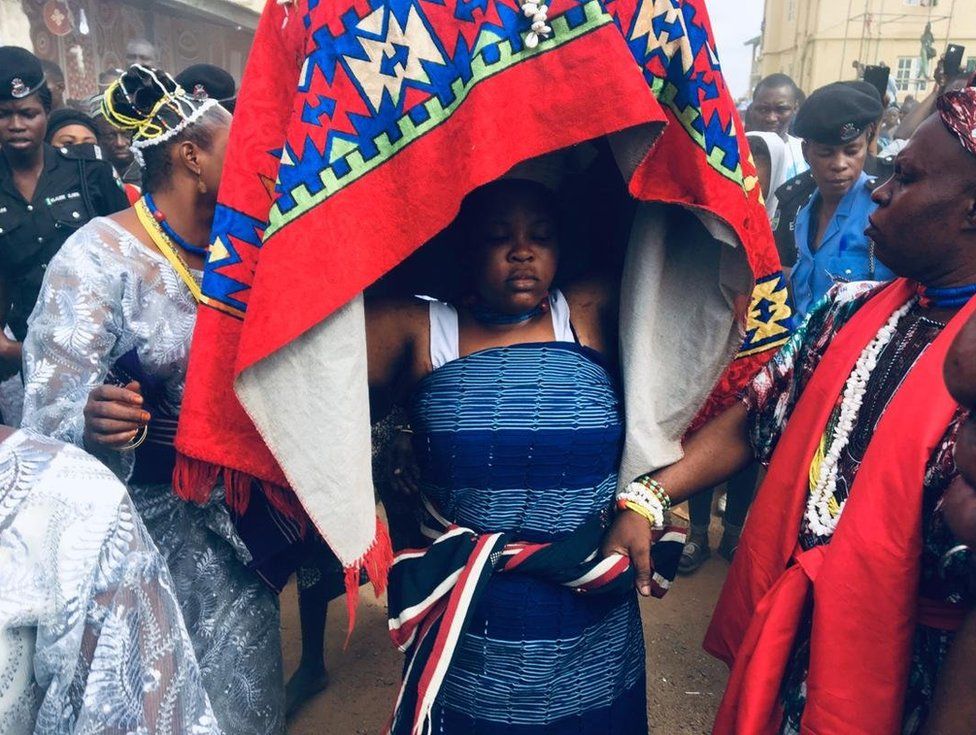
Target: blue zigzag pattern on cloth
{"x":396,"y":58}
{"x":393,"y":49}
{"x":666,"y":41}
{"x":224,"y":279}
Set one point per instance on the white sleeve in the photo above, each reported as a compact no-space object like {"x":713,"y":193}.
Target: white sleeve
{"x":72,"y":340}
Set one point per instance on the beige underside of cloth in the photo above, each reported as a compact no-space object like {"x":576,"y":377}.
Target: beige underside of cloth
{"x":310,"y":402}
{"x":683,"y":272}
{"x":684,"y":269}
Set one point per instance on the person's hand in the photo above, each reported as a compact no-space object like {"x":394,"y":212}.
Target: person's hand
{"x":10,"y":357}
{"x":114,"y":416}
{"x":941,"y":80}
{"x":404,"y":472}
{"x":630,"y":535}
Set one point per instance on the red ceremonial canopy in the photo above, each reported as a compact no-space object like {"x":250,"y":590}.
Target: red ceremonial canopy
{"x":360,"y":127}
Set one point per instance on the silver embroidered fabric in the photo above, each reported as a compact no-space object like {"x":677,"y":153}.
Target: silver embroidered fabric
{"x":11,"y":395}
{"x":105,"y":294}
{"x":92,"y":641}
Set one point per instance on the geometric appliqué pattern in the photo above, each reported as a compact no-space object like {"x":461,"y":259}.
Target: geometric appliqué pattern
{"x":378,"y":83}
{"x":683,"y":69}
{"x":770,"y":318}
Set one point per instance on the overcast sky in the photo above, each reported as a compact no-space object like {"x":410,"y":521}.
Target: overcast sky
{"x":734,"y":23}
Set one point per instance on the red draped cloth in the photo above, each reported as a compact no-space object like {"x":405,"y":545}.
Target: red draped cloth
{"x":360,"y":127}
{"x":864,"y":584}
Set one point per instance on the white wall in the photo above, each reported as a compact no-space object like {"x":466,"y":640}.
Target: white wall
{"x":14,"y":27}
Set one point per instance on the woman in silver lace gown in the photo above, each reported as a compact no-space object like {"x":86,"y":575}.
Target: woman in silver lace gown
{"x":112,"y":303}
{"x":91,"y":636}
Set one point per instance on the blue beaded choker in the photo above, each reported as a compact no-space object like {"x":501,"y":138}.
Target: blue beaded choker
{"x":167,"y":228}
{"x":945,"y":298}
{"x":486,"y":315}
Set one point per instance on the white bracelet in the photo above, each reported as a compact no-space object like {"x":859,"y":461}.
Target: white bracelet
{"x":639,"y":495}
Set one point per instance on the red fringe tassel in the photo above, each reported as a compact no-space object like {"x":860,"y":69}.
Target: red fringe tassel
{"x":194,"y":480}
{"x":377,"y":562}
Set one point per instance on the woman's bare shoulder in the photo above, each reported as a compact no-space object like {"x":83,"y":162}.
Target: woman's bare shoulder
{"x":397,"y":320}
{"x":397,"y":310}
{"x":594,"y":292}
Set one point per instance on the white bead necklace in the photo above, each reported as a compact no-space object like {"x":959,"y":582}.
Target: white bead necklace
{"x":818,"y":515}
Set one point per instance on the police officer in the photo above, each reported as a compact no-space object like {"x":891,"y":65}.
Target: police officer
{"x":836,"y":124}
{"x":795,"y":193}
{"x":206,"y":81}
{"x":46,"y":194}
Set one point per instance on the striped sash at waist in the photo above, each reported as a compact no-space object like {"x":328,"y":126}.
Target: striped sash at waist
{"x":433,"y":593}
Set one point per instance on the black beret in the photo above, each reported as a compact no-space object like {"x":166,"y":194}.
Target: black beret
{"x":206,"y":81}
{"x":21,"y":73}
{"x":866,"y":87}
{"x":67,"y":116}
{"x":838,"y":113}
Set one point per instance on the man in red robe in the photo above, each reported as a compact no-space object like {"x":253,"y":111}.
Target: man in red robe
{"x":845,"y":592}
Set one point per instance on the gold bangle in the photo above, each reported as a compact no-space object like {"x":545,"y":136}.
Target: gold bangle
{"x":136,"y":441}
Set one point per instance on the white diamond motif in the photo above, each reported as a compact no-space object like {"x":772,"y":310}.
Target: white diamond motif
{"x":394,"y":59}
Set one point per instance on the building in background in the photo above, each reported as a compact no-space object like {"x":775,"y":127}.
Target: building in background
{"x":87,"y":37}
{"x":755,"y":55}
{"x":819,"y":41}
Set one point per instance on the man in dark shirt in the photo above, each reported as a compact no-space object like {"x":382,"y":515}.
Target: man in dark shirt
{"x":46,"y":194}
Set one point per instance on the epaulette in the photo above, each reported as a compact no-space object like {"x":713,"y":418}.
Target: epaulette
{"x":801,"y":185}
{"x":80,"y":152}
{"x":880,"y":167}
{"x":887,"y":168}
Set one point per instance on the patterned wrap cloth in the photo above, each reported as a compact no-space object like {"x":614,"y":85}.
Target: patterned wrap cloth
{"x":518,"y":449}
{"x":958,"y":113}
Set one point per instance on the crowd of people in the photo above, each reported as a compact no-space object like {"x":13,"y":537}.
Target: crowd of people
{"x":126,"y":609}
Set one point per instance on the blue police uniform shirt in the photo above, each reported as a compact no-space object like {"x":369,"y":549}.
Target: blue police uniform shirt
{"x":845,"y":254}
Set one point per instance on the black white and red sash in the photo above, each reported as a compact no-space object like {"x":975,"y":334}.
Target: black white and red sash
{"x":433,"y":592}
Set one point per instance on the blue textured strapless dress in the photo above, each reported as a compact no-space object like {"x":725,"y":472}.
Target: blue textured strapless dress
{"x":528,"y":439}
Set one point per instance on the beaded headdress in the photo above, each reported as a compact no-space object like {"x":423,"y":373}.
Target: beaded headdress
{"x":150,"y":105}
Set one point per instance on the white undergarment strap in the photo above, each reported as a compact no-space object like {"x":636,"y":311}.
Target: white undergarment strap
{"x":443,"y":333}
{"x":560,"y":317}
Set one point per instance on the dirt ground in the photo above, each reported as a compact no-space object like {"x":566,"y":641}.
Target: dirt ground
{"x":684,"y":683}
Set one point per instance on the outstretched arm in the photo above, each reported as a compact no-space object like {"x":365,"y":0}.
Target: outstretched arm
{"x":712,"y":455}
{"x":923,"y":109}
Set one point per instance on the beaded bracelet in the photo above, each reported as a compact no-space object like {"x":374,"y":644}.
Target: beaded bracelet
{"x":639,"y":498}
{"x":657,"y":488}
